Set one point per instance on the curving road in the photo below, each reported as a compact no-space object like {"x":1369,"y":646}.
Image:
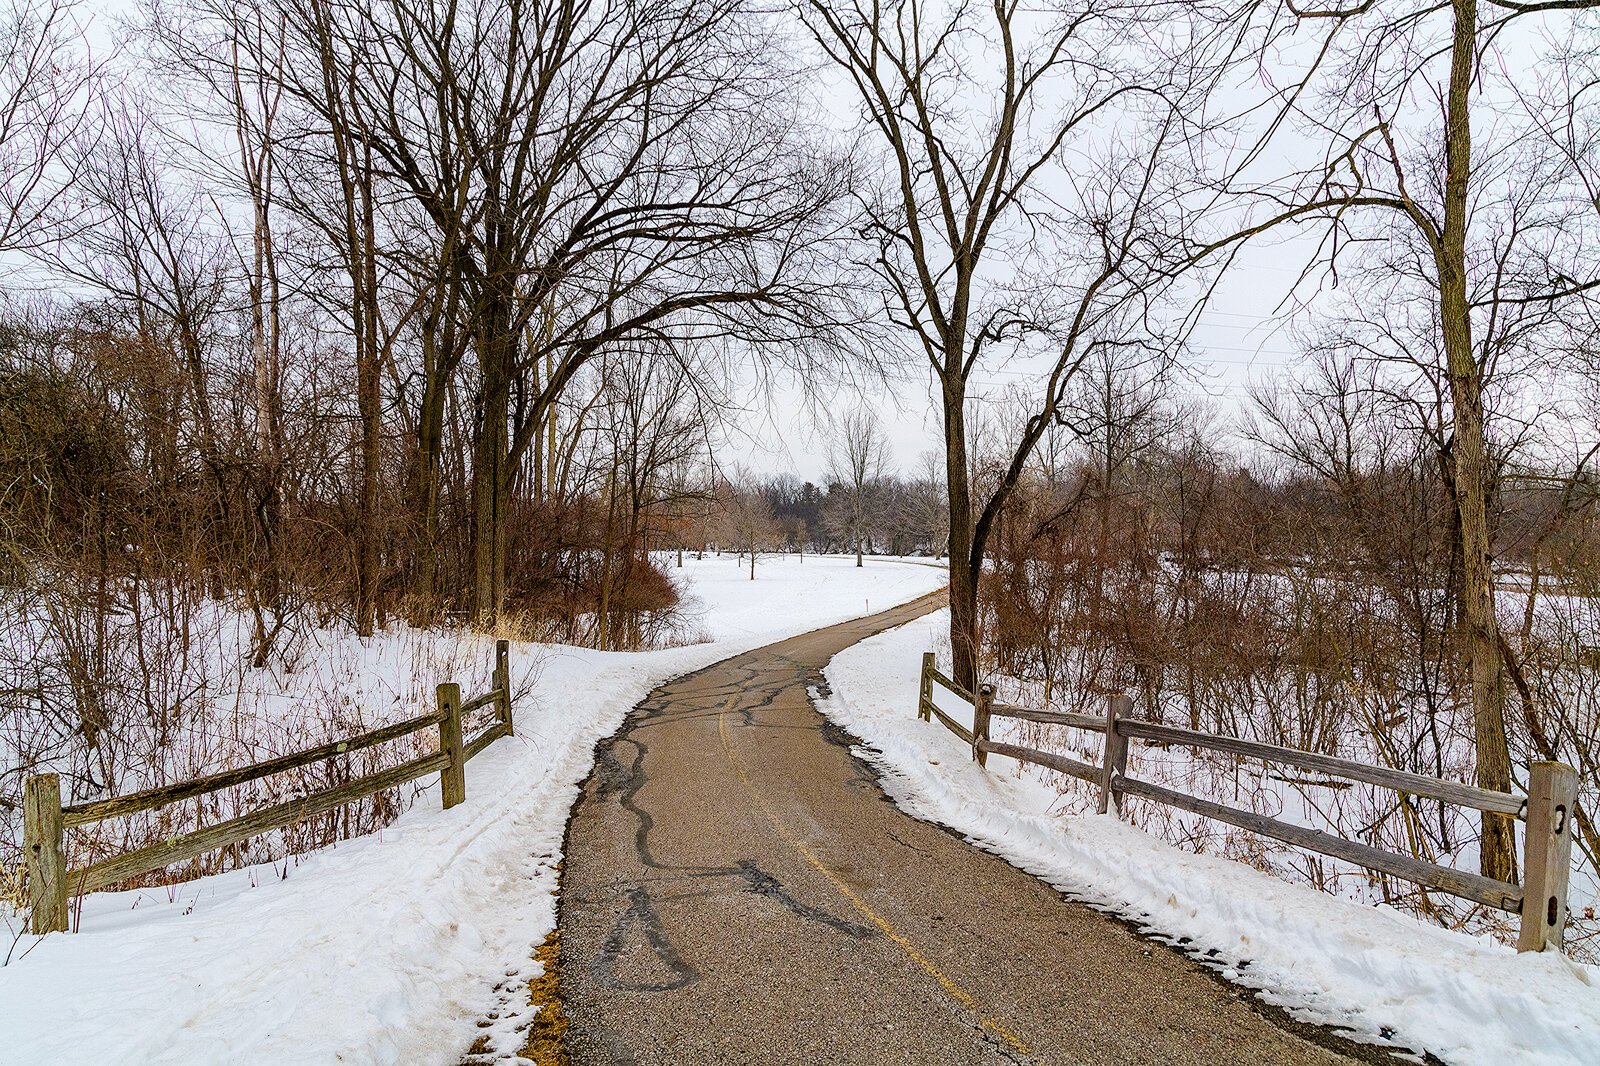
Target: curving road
{"x":737,"y":889}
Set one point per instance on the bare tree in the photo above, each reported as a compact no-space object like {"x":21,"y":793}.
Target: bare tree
{"x":48,"y":80}
{"x":591,"y":173}
{"x":748,"y":519}
{"x":1467,"y":223}
{"x":960,"y":210}
{"x":141,"y":233}
{"x":655,"y":420}
{"x":858,"y":458}
{"x":928,"y":510}
{"x":1121,"y":408}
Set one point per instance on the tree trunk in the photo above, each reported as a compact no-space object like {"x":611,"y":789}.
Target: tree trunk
{"x":963,"y":576}
{"x":490,"y":458}
{"x":425,"y":501}
{"x":607,"y":547}
{"x":1482,"y":637}
{"x":264,"y":586}
{"x":369,"y":402}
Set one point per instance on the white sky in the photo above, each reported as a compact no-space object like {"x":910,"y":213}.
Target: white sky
{"x":1238,"y":343}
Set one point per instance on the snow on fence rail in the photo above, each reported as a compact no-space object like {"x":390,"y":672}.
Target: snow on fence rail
{"x":1541,"y":900}
{"x":45,"y":820}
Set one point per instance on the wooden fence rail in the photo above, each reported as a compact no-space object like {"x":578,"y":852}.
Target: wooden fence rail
{"x":45,"y":820}
{"x":1541,"y":900}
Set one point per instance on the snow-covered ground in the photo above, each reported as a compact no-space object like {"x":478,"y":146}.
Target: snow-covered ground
{"x":398,"y":946}
{"x":1383,"y":974}
{"x":719,"y":595}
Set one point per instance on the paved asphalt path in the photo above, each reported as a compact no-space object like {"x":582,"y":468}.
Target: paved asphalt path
{"x":737,"y":889}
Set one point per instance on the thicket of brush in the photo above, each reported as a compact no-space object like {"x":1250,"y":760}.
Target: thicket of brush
{"x":177,"y":591}
{"x":1302,"y":590}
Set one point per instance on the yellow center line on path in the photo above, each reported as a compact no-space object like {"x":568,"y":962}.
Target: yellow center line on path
{"x":951,"y":989}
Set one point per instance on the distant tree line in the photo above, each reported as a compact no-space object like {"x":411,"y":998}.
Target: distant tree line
{"x":891,"y":515}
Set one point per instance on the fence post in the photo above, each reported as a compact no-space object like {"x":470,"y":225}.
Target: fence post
{"x":502,"y":681}
{"x":1547,"y":855}
{"x":453,"y":778}
{"x":47,"y":863}
{"x":1118,"y":705}
{"x":925,"y":687}
{"x":980,"y":723}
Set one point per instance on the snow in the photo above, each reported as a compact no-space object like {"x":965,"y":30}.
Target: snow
{"x":398,"y":946}
{"x":1386,"y":976}
{"x":816,"y":589}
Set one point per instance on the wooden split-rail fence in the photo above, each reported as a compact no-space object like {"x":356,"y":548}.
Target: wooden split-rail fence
{"x":45,"y":820}
{"x":1540,"y":901}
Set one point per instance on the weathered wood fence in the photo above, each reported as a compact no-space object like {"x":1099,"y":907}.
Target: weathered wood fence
{"x":45,"y":820}
{"x":1541,"y":900}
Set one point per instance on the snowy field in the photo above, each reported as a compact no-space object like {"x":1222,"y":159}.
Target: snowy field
{"x":719,"y":597}
{"x":1380,"y":973}
{"x":395,"y":947}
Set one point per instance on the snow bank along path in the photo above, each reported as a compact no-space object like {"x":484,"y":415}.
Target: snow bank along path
{"x":393,"y":947}
{"x":1385,"y":975}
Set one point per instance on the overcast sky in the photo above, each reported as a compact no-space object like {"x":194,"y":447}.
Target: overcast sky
{"x":1239,"y":342}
